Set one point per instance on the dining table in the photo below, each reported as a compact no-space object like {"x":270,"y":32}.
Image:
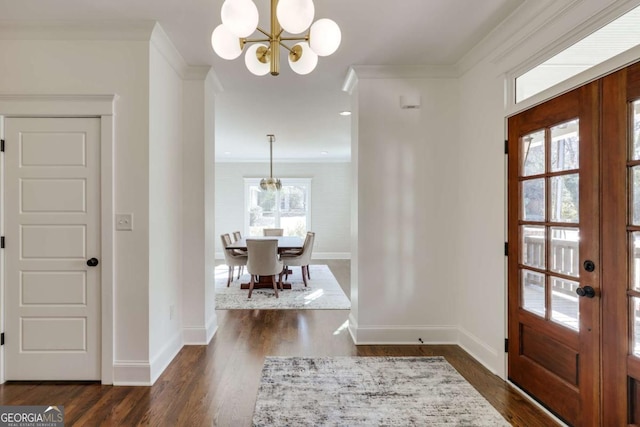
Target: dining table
{"x":285,"y":243}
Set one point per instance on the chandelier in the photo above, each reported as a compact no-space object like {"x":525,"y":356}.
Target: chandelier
{"x":240,"y":20}
{"x":271,"y":183}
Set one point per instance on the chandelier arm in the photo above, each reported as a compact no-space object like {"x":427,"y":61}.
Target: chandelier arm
{"x":264,"y":32}
{"x":256,"y":40}
{"x":286,"y":47}
{"x":293,"y":38}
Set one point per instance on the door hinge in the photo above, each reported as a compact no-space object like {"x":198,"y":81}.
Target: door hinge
{"x":506,"y":248}
{"x":2,"y":242}
{"x":2,"y":145}
{"x":506,"y":345}
{"x":2,"y":338}
{"x":506,"y":146}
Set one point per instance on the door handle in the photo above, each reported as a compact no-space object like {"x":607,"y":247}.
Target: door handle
{"x":92,"y":262}
{"x":586,"y":291}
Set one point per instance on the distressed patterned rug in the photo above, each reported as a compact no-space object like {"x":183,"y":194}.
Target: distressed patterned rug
{"x":368,"y":391}
{"x":323,"y":292}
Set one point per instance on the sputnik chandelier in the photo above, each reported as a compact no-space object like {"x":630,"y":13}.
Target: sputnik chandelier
{"x":240,"y":20}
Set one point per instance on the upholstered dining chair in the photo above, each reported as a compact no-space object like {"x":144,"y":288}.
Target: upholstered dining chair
{"x":263,"y":260}
{"x":231,"y":258}
{"x":273,"y":231}
{"x":302,"y":258}
{"x":236,"y":236}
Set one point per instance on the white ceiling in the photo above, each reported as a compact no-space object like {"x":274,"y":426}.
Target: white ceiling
{"x":302,"y":111}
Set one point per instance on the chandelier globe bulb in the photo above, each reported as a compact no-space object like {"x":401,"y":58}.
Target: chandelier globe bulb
{"x":225,"y":43}
{"x":295,"y":16}
{"x":303,"y":60}
{"x":253,"y":62}
{"x":324,"y":37}
{"x":240,"y":17}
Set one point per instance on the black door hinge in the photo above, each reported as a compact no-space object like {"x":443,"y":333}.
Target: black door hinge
{"x":506,"y":345}
{"x":2,"y":145}
{"x":2,"y":338}
{"x":506,"y":146}
{"x":2,"y":242}
{"x":506,"y":248}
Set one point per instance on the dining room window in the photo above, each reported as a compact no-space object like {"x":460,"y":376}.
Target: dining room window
{"x":289,"y":208}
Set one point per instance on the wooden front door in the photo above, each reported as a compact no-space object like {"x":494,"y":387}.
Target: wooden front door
{"x":554,"y":254}
{"x":52,"y":222}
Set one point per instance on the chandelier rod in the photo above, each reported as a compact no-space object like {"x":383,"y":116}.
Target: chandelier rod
{"x":271,"y":138}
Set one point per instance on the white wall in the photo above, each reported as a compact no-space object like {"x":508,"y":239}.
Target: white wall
{"x":165,"y":211}
{"x":105,"y":67}
{"x":330,"y":200}
{"x":198,"y":194}
{"x":407,"y":192}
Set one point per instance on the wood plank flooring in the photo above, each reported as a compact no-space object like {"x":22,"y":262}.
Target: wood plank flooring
{"x":217,"y":384}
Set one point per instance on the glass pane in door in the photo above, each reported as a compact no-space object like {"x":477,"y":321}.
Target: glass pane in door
{"x":534,"y":246}
{"x":564,"y":302}
{"x":565,"y":205}
{"x":565,"y":255}
{"x":533,"y":198}
{"x":635,"y":325}
{"x":533,"y":149}
{"x":564,"y":146}
{"x":533,"y":292}
{"x":634,"y":252}
{"x":635,"y":195}
{"x":635,"y":110}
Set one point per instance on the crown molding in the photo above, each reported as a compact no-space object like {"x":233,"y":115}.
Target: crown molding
{"x":75,"y":30}
{"x":168,"y":50}
{"x":512,"y":32}
{"x":357,"y":72}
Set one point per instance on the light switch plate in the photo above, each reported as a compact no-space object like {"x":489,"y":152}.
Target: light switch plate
{"x":124,"y":222}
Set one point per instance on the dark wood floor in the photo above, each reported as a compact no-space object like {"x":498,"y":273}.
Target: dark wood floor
{"x":217,"y":384}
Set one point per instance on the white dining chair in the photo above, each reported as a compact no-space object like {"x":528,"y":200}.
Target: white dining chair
{"x":301,"y":259}
{"x":263,"y":260}
{"x":231,"y":258}
{"x":273,"y":231}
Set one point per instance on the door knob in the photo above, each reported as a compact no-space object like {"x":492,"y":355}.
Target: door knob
{"x":92,"y":262}
{"x":586,"y":291}
{"x":589,"y":265}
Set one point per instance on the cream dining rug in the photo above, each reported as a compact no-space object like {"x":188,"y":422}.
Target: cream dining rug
{"x":368,"y":391}
{"x":323,"y":292}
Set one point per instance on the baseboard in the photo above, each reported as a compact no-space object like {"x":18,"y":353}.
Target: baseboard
{"x":131,"y":373}
{"x":480,"y":351}
{"x":161,"y":360}
{"x":402,"y":335}
{"x":200,"y":335}
{"x":212,"y":327}
{"x":353,"y":328}
{"x":317,"y":256}
{"x":194,"y":335}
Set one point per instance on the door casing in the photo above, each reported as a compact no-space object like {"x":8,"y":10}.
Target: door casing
{"x":102,"y":107}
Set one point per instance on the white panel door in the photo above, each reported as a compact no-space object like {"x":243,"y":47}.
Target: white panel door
{"x":52,"y":211}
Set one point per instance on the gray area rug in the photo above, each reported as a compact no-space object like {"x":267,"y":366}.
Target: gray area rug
{"x":323,"y":293}
{"x":368,"y":391}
